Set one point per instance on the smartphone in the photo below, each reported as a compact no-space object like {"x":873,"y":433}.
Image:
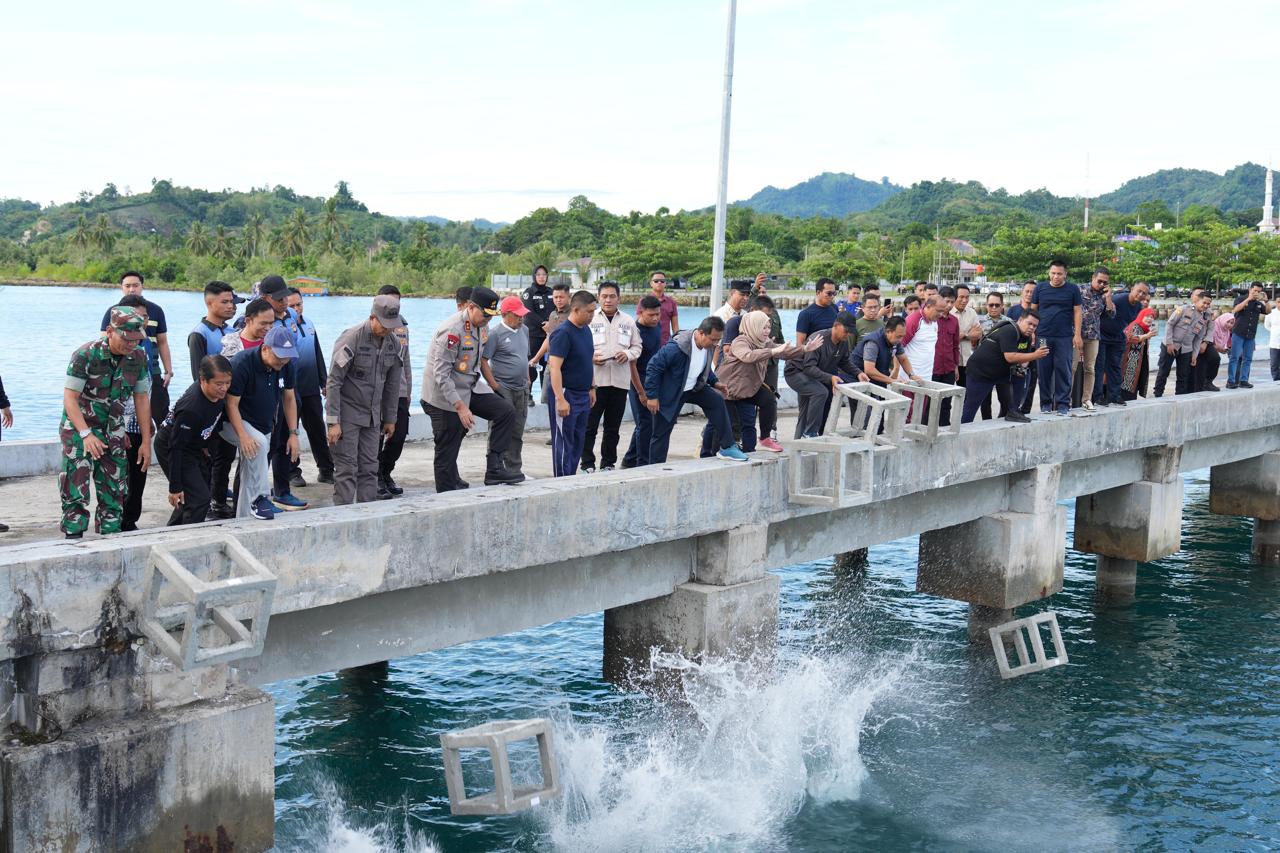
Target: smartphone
{"x":888,"y":302}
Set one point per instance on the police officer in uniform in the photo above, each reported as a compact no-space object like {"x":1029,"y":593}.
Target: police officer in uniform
{"x":363,"y":391}
{"x":453,"y":399}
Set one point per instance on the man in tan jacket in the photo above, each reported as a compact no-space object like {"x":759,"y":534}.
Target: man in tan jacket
{"x":617,"y":344}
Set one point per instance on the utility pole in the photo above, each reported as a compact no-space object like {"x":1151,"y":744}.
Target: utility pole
{"x":722,"y":196}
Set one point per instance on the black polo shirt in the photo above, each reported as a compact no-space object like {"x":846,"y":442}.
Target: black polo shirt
{"x":259,"y":388}
{"x":1246,"y":326}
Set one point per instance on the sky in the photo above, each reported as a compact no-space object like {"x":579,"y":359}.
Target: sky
{"x":491,"y":108}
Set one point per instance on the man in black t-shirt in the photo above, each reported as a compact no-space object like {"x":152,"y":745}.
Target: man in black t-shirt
{"x":1248,"y":309}
{"x":1006,"y":346}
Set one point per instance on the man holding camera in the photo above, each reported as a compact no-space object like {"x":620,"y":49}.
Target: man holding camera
{"x":1248,"y":309}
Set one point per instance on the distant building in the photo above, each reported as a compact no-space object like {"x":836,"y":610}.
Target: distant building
{"x":309,"y":285}
{"x":963,"y":248}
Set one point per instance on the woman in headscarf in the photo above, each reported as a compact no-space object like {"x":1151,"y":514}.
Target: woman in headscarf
{"x":1136,"y":334}
{"x":742,"y":368}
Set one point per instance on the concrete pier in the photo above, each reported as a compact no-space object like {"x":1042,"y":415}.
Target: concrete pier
{"x":677,"y":556}
{"x":1251,"y":487}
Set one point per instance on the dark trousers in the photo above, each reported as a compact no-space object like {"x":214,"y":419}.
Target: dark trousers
{"x":742,"y":422}
{"x":194,"y":476}
{"x":311,"y":418}
{"x":1024,"y":388}
{"x":985,"y":405}
{"x":448,"y":432}
{"x":281,"y":464}
{"x":159,"y":401}
{"x":1275,"y":365}
{"x":132,"y":510}
{"x":391,"y":448}
{"x":767,"y":402}
{"x":712,"y":404}
{"x":814,"y":397}
{"x":222,"y":457}
{"x":1184,"y":373}
{"x":977,"y":394}
{"x":642,"y":436}
{"x":1111,"y":354}
{"x":1163,"y":366}
{"x":1055,"y":375}
{"x":568,"y":433}
{"x":610,"y":404}
{"x":535,"y":344}
{"x":948,"y":379}
{"x":1207,"y":366}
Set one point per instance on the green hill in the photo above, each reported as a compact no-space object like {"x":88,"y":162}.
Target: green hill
{"x":1237,"y":189}
{"x":834,"y":194}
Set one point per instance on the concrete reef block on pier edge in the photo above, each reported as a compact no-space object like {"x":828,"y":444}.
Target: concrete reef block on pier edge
{"x":199,"y":777}
{"x":1003,"y":560}
{"x":1250,"y":487}
{"x":697,"y":619}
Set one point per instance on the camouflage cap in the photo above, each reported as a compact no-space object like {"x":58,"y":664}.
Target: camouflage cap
{"x":128,"y":323}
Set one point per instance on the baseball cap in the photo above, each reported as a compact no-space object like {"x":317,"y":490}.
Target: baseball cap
{"x":127,"y":322}
{"x":513,"y":305}
{"x":850,"y":322}
{"x":281,"y":343}
{"x":486,"y":300}
{"x":273,"y":286}
{"x":386,"y":310}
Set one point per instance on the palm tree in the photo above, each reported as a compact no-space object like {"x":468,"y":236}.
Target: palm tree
{"x":255,"y":228}
{"x":294,"y":234}
{"x":351,"y":252}
{"x":103,"y":236}
{"x":223,"y":244}
{"x":82,"y":236}
{"x":330,"y":221}
{"x":198,"y":239}
{"x":421,"y":238}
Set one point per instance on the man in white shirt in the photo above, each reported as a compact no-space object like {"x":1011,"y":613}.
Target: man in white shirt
{"x":617,"y":344}
{"x":739,"y":294}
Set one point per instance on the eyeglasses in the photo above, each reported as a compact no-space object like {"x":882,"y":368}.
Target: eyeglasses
{"x":659,"y":281}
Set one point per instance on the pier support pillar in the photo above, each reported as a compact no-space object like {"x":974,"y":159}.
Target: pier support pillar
{"x":729,"y":609}
{"x":852,"y":561}
{"x":1266,"y":542}
{"x":1004,"y":560}
{"x":1132,"y":524}
{"x":1251,"y":487}
{"x":119,"y":750}
{"x":983,"y":618}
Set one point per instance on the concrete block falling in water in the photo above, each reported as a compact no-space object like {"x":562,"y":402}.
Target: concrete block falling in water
{"x":506,"y":797}
{"x":1028,"y":663}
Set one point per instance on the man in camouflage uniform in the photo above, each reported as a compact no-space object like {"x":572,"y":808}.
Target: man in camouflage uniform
{"x":101,"y":376}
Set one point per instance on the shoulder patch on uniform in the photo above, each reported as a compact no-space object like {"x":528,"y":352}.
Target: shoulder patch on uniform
{"x":344,"y":356}
{"x":452,"y":341}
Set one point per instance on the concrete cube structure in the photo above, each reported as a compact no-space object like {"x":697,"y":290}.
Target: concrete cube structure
{"x":926,"y":408}
{"x":234,"y":581}
{"x":506,"y":797}
{"x":1028,"y":663}
{"x":879,"y":415}
{"x":830,"y":471}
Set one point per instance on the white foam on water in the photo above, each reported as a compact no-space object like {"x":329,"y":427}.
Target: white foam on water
{"x":727,"y":769}
{"x":334,"y":832}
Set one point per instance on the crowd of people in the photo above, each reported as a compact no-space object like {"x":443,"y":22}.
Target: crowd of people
{"x":260,"y":375}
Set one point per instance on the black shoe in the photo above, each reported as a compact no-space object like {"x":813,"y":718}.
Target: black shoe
{"x":296,"y":481}
{"x":74,"y":536}
{"x":325,"y":477}
{"x":1246,"y":384}
{"x":463,"y":484}
{"x":384,"y":494}
{"x":391,"y":485}
{"x":1017,"y":418}
{"x":1120,"y":402}
{"x":1211,"y":387}
{"x":4,"y":528}
{"x":1233,"y":385}
{"x":502,"y":477}
{"x":221,"y":512}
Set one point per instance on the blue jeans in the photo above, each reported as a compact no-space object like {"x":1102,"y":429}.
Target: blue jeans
{"x":1112,"y":356}
{"x":1055,"y":375}
{"x":712,"y":404}
{"x":642,"y":436}
{"x":1241,"y":359}
{"x":976,"y":391}
{"x":569,"y":434}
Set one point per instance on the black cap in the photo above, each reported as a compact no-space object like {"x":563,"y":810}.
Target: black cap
{"x":742,"y":285}
{"x":850,"y":322}
{"x":486,"y":300}
{"x":273,"y":286}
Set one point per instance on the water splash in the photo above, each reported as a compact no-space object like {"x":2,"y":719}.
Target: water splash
{"x":728,"y":767}
{"x":335,"y":831}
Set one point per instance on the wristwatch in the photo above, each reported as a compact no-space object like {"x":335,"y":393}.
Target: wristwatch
{"x":85,"y":433}
{"x":293,"y":432}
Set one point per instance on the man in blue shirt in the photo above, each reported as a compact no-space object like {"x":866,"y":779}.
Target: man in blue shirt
{"x":1058,"y":304}
{"x":648,"y":323}
{"x":1113,"y":344}
{"x":158,"y":349}
{"x":261,"y":383}
{"x":853,"y":302}
{"x":571,"y":368}
{"x":821,"y":314}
